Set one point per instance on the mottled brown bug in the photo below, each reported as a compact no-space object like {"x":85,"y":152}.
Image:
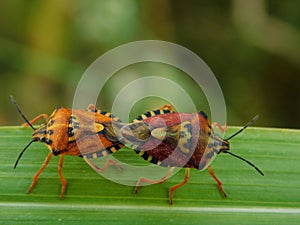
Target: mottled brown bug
{"x":172,"y":139}
{"x":65,"y":129}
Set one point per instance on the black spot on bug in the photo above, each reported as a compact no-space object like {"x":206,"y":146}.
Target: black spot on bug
{"x":156,"y":112}
{"x":203,"y":114}
{"x":72,"y":122}
{"x":145,"y":156}
{"x":42,"y":139}
{"x":117,"y":147}
{"x":147,"y":114}
{"x":139,"y":118}
{"x":88,"y":156}
{"x":55,"y":152}
{"x":70,"y":132}
{"x":50,"y":132}
{"x":48,"y":141}
{"x":99,"y":154}
{"x":154,"y":161}
{"x":103,"y":112}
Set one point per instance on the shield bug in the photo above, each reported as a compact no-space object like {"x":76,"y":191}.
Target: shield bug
{"x":178,"y":140}
{"x":66,"y":129}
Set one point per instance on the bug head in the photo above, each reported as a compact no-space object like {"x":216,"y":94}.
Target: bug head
{"x":218,"y":144}
{"x":40,"y":134}
{"x":224,"y":145}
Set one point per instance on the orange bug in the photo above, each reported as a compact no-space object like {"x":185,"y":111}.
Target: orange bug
{"x":92,"y":129}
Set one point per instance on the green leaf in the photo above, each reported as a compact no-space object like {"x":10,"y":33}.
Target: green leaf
{"x":91,"y":199}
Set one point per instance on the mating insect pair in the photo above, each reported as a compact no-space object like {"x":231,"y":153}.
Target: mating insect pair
{"x":162,"y":137}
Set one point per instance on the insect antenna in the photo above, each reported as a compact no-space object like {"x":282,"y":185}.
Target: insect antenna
{"x":20,"y":155}
{"x":245,"y":160}
{"x":247,"y":125}
{"x":239,"y":157}
{"x":20,"y":111}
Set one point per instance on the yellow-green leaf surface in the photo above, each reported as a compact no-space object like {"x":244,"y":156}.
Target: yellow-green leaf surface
{"x":91,"y":199}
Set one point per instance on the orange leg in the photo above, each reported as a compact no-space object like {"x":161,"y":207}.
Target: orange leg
{"x":36,"y":176}
{"x":222,"y":128}
{"x":63,"y":181}
{"x":108,"y":163}
{"x":45,"y":116}
{"x":105,"y":166}
{"x":219,"y":183}
{"x":169,"y":107}
{"x":172,"y":189}
{"x":145,"y":180}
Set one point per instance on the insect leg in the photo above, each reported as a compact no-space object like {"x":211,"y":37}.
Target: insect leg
{"x":36,"y":176}
{"x":169,"y":107}
{"x":145,"y":180}
{"x":104,"y":167}
{"x":172,"y":189}
{"x":45,"y":116}
{"x":108,"y":163}
{"x":63,"y":181}
{"x":222,"y":128}
{"x":219,"y":183}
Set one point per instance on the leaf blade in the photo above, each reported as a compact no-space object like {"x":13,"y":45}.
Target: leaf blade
{"x":90,"y":198}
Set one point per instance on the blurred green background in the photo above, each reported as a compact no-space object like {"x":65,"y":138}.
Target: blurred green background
{"x":253,"y":48}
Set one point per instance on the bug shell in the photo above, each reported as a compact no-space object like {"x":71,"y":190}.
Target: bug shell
{"x":175,"y":139}
{"x":92,"y":131}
